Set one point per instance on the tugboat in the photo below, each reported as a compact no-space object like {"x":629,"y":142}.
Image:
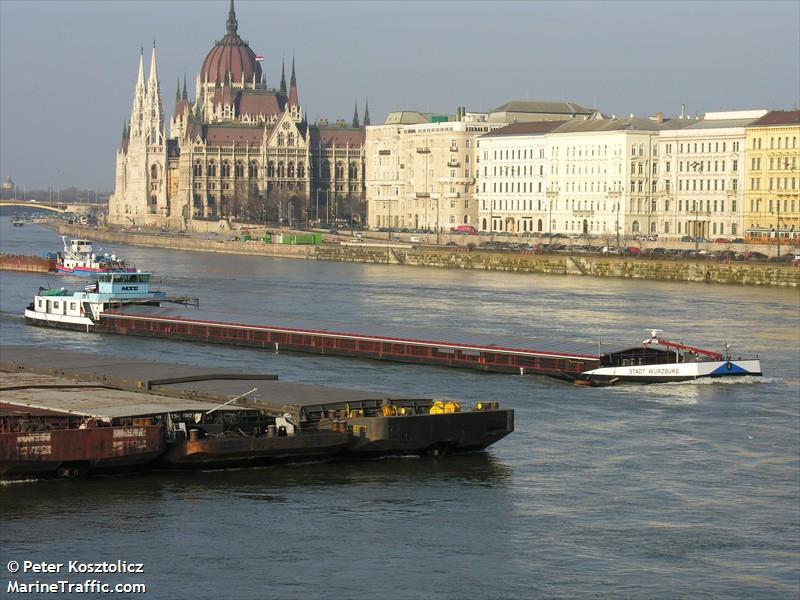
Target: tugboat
{"x":79,"y":258}
{"x":658,"y":361}
{"x":81,"y":310}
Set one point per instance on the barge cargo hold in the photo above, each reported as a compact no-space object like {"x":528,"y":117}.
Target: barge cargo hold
{"x":562,"y":360}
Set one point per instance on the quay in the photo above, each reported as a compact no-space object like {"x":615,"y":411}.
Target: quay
{"x":70,"y":414}
{"x":382,"y":252}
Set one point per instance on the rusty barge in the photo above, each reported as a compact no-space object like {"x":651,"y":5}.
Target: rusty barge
{"x":91,"y":416}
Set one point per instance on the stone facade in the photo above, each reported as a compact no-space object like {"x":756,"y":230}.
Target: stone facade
{"x":772,"y":187}
{"x":422,"y":176}
{"x":239,"y":151}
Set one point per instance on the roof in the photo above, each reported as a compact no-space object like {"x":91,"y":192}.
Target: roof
{"x":260,"y":102}
{"x":340,"y":136}
{"x":409,"y":117}
{"x":719,"y":123}
{"x":778,"y":117}
{"x":229,"y":134}
{"x":589,"y":125}
{"x":526,"y":128}
{"x":537,"y":106}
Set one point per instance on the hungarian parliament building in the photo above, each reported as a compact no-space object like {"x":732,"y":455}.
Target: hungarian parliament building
{"x":239,"y":150}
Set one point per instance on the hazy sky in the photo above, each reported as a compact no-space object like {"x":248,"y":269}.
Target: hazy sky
{"x":67,"y":69}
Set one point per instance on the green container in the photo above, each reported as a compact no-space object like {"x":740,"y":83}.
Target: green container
{"x":246,"y":237}
{"x":267,"y":239}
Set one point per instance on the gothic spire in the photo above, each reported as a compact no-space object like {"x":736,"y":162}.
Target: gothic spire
{"x":185,"y":95}
{"x":355,"y":115}
{"x":293,"y":88}
{"x":140,"y":76}
{"x":283,"y":77}
{"x":178,"y":92}
{"x":232,"y":25}
{"x":366,"y":113}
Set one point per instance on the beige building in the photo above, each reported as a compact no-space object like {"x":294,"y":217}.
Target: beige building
{"x":421,"y":170}
{"x":772,"y":162}
{"x":522,"y":111}
{"x":700,"y":190}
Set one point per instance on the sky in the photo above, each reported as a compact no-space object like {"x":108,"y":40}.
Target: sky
{"x":68,"y":68}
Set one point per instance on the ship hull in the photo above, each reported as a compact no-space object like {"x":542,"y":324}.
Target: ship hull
{"x":665,"y":373}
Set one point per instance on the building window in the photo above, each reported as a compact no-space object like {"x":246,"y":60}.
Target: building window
{"x":226,"y":169}
{"x":212,"y":169}
{"x":239,"y":169}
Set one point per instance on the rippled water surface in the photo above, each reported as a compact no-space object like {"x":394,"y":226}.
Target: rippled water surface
{"x":679,"y":490}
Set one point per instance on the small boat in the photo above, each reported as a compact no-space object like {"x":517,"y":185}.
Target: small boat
{"x":79,"y":258}
{"x":659,"y":360}
{"x":81,"y":310}
{"x":18,"y":222}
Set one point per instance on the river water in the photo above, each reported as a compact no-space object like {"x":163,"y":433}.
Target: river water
{"x":664,"y":491}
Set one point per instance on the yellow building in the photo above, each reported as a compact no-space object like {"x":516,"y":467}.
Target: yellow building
{"x":772,"y":181}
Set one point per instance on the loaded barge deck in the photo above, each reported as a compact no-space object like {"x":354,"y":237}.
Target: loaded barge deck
{"x":94,"y":413}
{"x":562,"y":360}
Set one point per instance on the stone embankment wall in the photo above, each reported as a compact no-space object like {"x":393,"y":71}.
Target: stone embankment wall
{"x":734,"y":273}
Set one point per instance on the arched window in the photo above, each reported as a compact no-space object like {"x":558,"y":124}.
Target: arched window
{"x":539,"y":225}
{"x":252,"y":169}
{"x":281,"y":169}
{"x":212,"y":169}
{"x":339,"y":170}
{"x":326,"y":170}
{"x":290,"y":169}
{"x":270,"y":169}
{"x":197,"y":170}
{"x":226,"y":168}
{"x":466,"y":217}
{"x":239,"y":169}
{"x":280,"y":139}
{"x":154,"y":172}
{"x":290,"y":139}
{"x":653,"y":228}
{"x":353,"y":171}
{"x":635,"y":227}
{"x":666,"y":227}
{"x":301,"y":170}
{"x":484,"y":225}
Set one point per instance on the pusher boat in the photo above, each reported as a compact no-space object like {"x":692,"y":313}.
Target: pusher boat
{"x":658,"y":360}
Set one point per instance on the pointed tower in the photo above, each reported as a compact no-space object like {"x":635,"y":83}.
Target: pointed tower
{"x":153,"y":110}
{"x":366,"y":113}
{"x":293,"y":88}
{"x":184,"y":96}
{"x":232,"y":25}
{"x":355,"y":115}
{"x":283,"y":77}
{"x":139,"y":94}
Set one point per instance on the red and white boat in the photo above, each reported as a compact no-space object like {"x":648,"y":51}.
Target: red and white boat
{"x":79,"y":258}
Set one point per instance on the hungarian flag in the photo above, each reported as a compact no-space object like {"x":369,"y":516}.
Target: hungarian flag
{"x":259,"y":58}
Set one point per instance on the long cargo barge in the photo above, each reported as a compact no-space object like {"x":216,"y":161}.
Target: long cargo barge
{"x":502,"y":358}
{"x":122,"y":303}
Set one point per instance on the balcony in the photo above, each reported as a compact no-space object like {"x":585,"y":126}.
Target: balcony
{"x":423,"y":150}
{"x":453,"y":148}
{"x":583,"y":213}
{"x":384,"y":152}
{"x":453,"y":163}
{"x":423,"y":194}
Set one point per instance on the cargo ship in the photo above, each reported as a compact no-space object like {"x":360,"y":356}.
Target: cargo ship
{"x":79,"y":258}
{"x":121,"y":307}
{"x":99,"y":417}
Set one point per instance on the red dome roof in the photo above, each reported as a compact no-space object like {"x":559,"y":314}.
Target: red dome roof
{"x":230,"y":55}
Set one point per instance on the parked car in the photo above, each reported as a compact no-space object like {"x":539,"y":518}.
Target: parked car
{"x":687,"y":238}
{"x":468,"y":229}
{"x":722,"y":241}
{"x":738,"y":241}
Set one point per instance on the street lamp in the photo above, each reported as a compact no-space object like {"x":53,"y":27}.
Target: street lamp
{"x":552,"y":196}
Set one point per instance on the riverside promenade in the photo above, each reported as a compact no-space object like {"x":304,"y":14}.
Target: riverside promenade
{"x":460,"y":257}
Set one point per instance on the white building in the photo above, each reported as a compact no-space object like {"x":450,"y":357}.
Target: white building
{"x":701,"y":177}
{"x":601,"y":177}
{"x":421,"y":170}
{"x":512,"y":178}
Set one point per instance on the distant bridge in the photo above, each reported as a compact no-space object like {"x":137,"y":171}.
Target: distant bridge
{"x":38,"y":205}
{"x":61,"y":207}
